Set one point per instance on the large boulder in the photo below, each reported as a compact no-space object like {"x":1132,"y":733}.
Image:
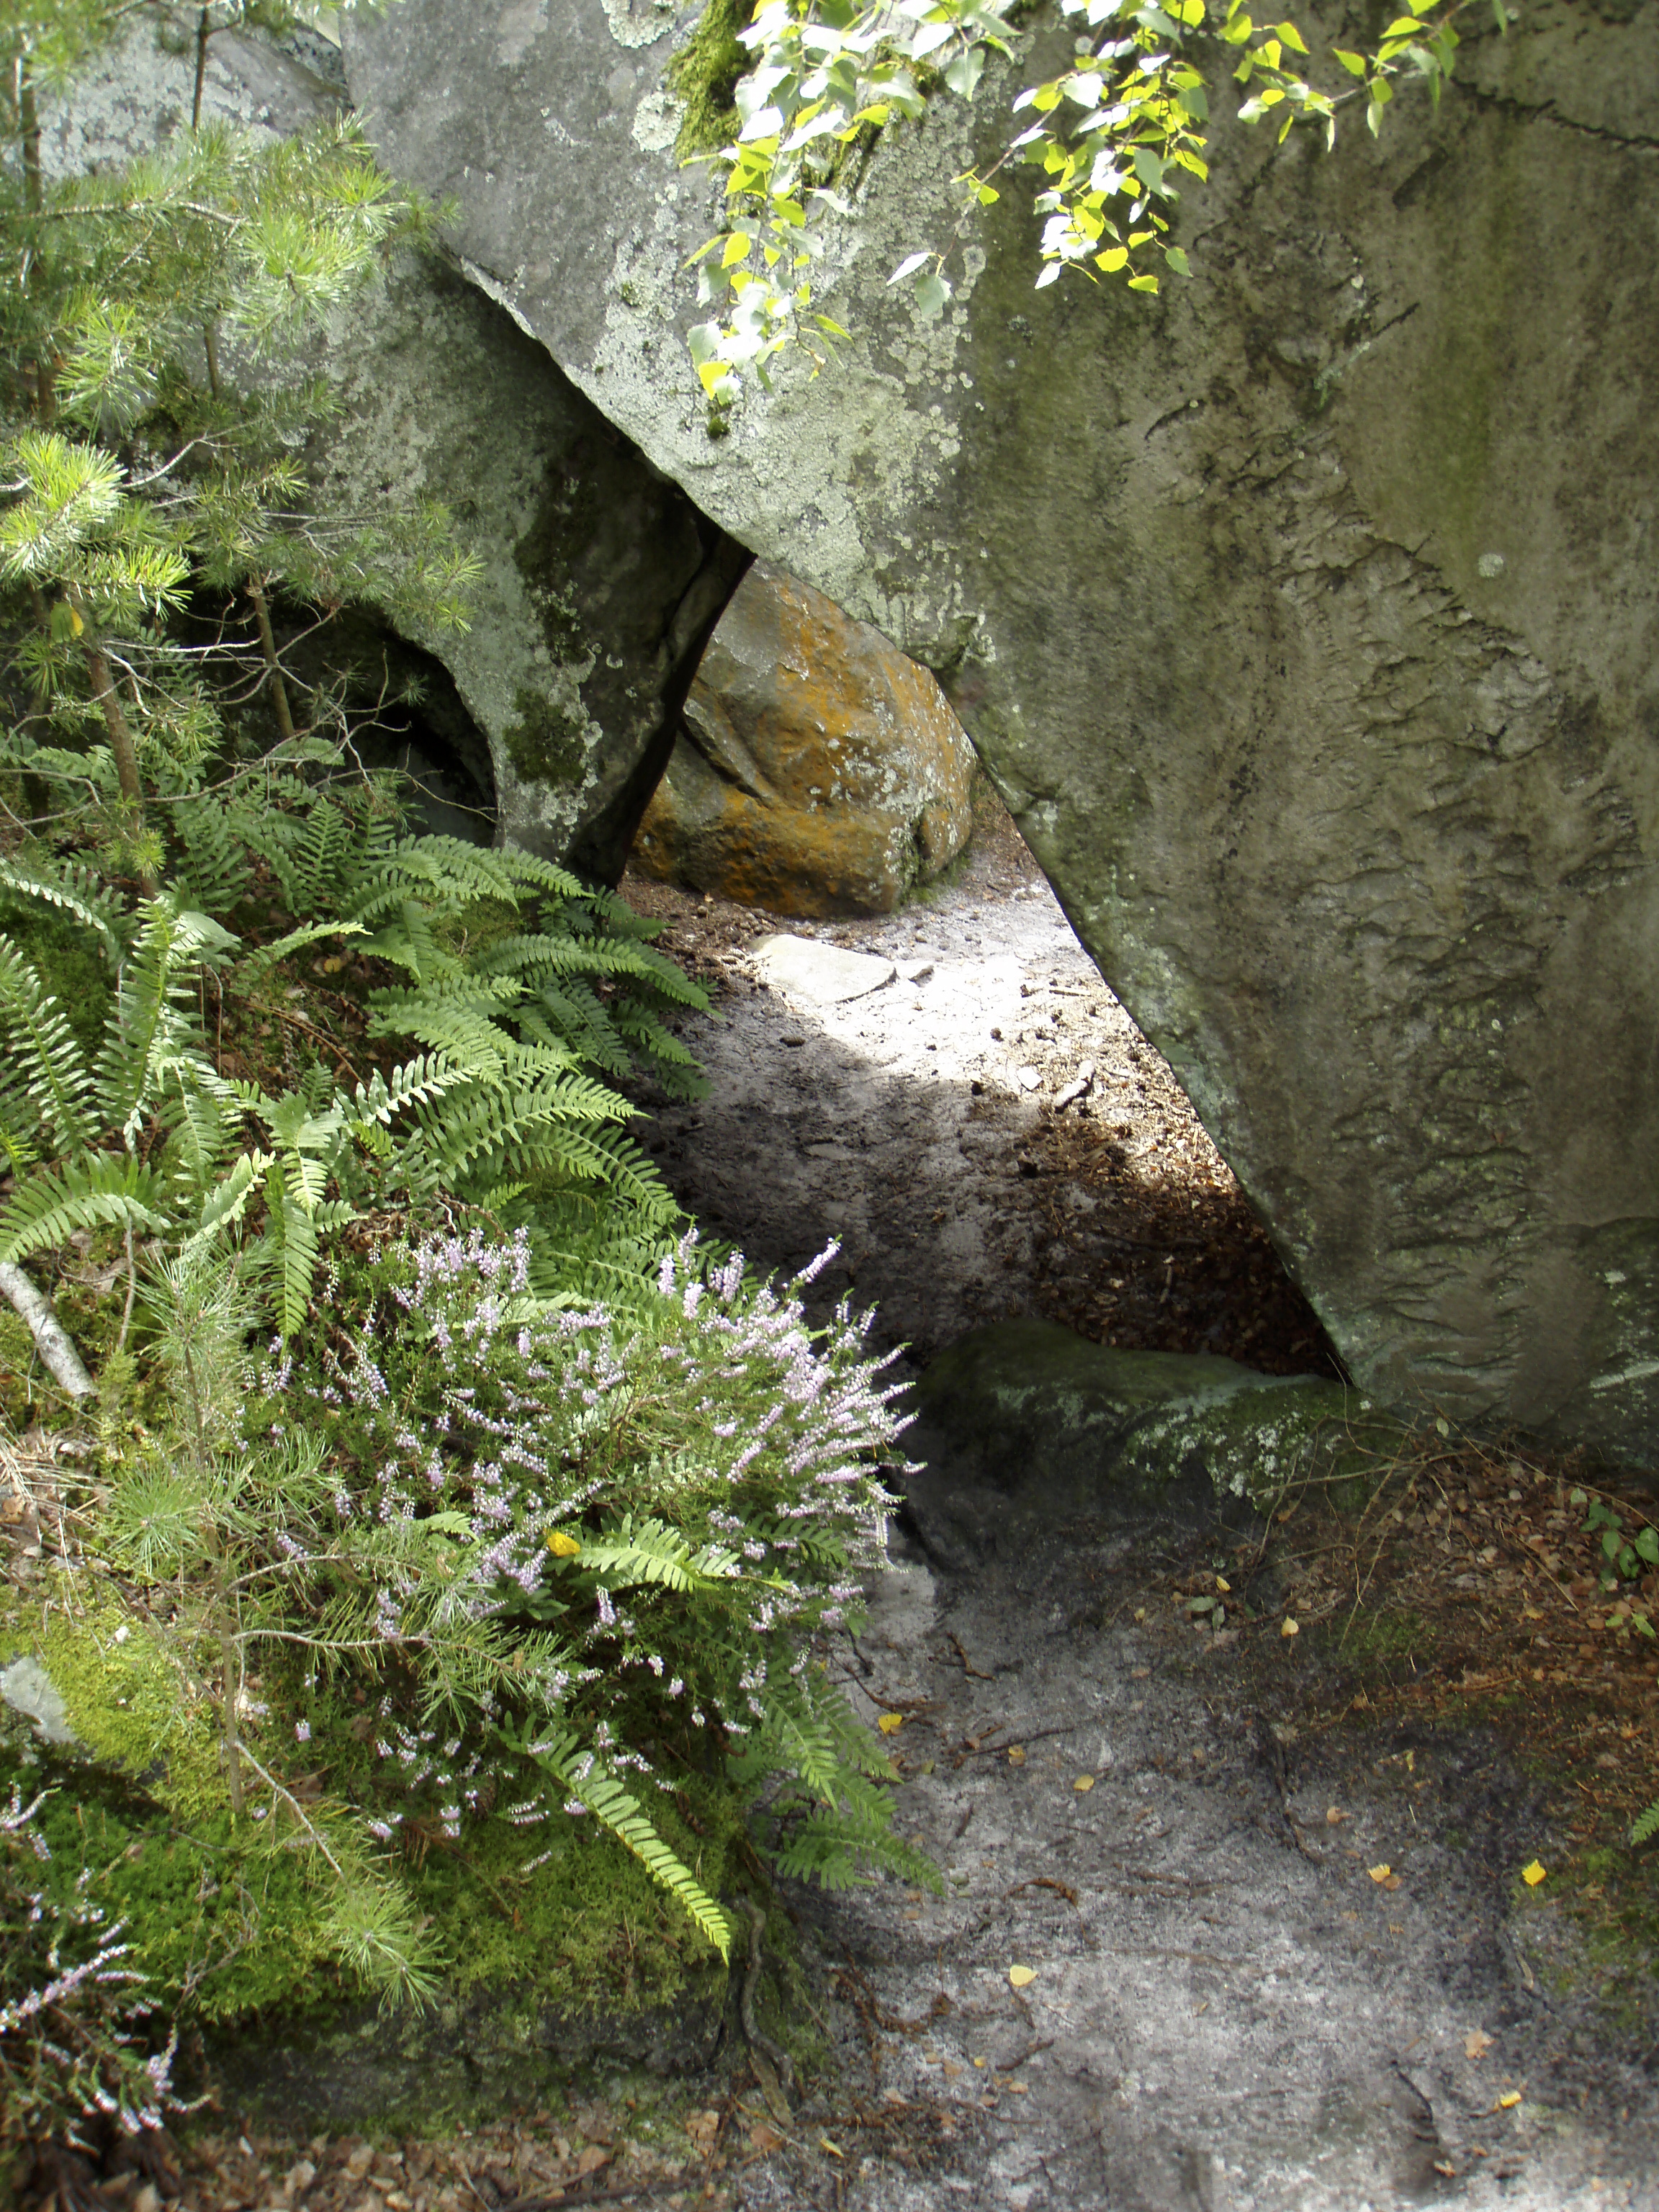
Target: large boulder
{"x":1304,"y":616}
{"x":818,"y":770}
{"x":601,"y":580}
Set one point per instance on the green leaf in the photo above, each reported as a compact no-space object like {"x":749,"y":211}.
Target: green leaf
{"x":1177,"y":260}
{"x":932,"y":294}
{"x":1354,"y":63}
{"x":963,"y":75}
{"x":1143,"y":283}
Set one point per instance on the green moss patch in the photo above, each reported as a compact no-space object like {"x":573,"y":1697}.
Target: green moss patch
{"x":543,"y":744}
{"x":703,"y":77}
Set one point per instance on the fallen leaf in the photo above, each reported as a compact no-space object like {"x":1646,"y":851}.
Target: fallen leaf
{"x":763,"y":2136}
{"x":1335,"y":1815}
{"x":979,"y":2062}
{"x":1141,"y":1614}
{"x":592,"y":2159}
{"x":1084,"y":1782}
{"x":1532,"y":1875}
{"x":1509,"y":2100}
{"x":1022,"y":1976}
{"x":834,"y":2149}
{"x":1016,"y":1754}
{"x":563,"y":1547}
{"x":1380,"y":1874}
{"x":1444,"y":2165}
{"x":1222,"y":1584}
{"x":1289,"y":1627}
{"x":890,"y":1723}
{"x":1476,"y":2044}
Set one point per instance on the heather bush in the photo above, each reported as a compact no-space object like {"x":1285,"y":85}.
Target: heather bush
{"x":475,"y":1560}
{"x":77,"y":2040}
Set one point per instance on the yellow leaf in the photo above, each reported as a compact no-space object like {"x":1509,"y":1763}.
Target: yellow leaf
{"x":1476,"y":2044}
{"x":1084,"y":1782}
{"x":1509,"y":2100}
{"x":890,"y":1723}
{"x":1289,"y":1627}
{"x":1022,"y":1976}
{"x":563,"y":1547}
{"x":736,"y":249}
{"x":76,"y":623}
{"x":1016,"y":1754}
{"x":1335,"y":1815}
{"x":979,"y":2062}
{"x":1532,"y":1875}
{"x":1222,"y":1584}
{"x":1380,"y":1874}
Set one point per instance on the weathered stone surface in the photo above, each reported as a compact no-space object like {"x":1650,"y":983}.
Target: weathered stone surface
{"x":826,"y":974}
{"x":1305,"y":616}
{"x":601,"y":579}
{"x":1025,"y":1425}
{"x":820,"y":771}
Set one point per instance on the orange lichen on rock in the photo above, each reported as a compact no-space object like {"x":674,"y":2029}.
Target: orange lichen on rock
{"x":818,"y":772}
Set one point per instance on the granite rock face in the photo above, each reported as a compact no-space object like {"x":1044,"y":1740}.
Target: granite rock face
{"x":1304,"y":616}
{"x":818,"y":772}
{"x":601,"y":579}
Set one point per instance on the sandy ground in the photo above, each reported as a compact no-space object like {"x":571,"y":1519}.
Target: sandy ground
{"x":922,"y":1126}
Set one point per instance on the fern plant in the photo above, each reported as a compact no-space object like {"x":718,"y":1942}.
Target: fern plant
{"x":523,"y":989}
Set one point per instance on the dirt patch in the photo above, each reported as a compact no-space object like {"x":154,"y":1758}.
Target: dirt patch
{"x":928,"y":1127}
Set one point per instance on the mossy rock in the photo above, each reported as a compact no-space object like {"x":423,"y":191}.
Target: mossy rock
{"x":1025,"y":1425}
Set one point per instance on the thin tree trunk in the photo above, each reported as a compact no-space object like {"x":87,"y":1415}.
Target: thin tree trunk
{"x":52,"y":1340}
{"x":210,"y":346}
{"x":44,"y":373}
{"x":202,"y":34}
{"x":256,"y":592}
{"x":29,"y":119}
{"x":120,"y":735}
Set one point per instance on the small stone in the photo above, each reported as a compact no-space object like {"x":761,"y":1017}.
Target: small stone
{"x":915,"y":971}
{"x":820,"y":972}
{"x":1027,"y":1079}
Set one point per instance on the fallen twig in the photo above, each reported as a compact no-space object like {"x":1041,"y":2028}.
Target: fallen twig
{"x":52,"y":1340}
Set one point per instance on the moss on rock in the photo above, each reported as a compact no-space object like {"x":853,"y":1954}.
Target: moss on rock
{"x":1025,"y":1422}
{"x":545,"y":744}
{"x":703,"y":77}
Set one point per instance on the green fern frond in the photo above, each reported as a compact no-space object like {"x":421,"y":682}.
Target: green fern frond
{"x":606,"y":1799}
{"x":1646,"y":1825}
{"x":215,"y":838}
{"x":149,"y":1028}
{"x":837,"y":1850}
{"x":652,"y":1553}
{"x":100,"y":1189}
{"x":47,"y":1053}
{"x":73,"y":890}
{"x":251,"y":971}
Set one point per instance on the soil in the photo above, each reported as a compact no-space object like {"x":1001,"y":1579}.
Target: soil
{"x":1285,"y":1862}
{"x":923,"y":1127}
